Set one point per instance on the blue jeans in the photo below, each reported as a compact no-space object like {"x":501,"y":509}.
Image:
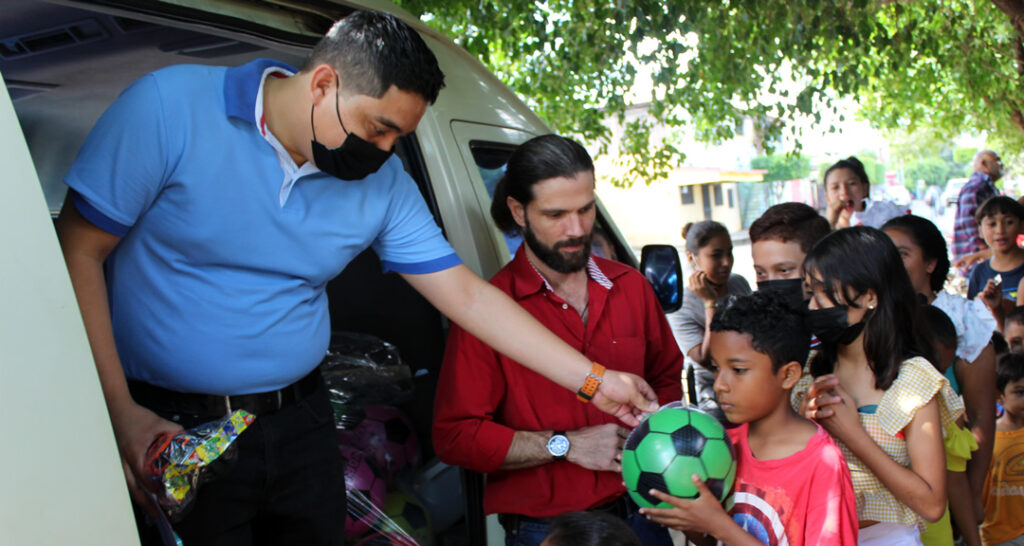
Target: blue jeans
{"x":531,"y":532}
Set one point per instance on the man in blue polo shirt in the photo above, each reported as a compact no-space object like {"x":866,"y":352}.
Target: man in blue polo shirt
{"x":222,"y":200}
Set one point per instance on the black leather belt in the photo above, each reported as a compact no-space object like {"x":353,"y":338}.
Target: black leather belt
{"x":510,"y":522}
{"x":215,"y":406}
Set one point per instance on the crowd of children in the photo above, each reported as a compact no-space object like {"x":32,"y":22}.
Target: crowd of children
{"x":867,"y":404}
{"x":872,"y":364}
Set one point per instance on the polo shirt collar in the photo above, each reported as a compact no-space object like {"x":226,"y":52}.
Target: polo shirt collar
{"x":527,"y":281}
{"x":242,"y":84}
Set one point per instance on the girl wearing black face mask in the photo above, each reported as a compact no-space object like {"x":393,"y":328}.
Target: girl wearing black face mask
{"x":871,"y":384}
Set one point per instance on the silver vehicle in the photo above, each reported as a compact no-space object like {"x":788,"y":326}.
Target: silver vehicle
{"x":62,"y":64}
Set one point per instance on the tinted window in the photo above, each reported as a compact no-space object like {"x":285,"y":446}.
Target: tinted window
{"x":490,"y":159}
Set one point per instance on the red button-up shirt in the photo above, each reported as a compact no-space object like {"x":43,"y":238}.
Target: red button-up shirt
{"x":483,"y":397}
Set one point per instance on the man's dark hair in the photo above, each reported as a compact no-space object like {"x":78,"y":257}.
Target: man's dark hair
{"x":540,"y":158}
{"x":373,"y":51}
{"x":591,"y":529}
{"x":775,"y":327}
{"x":790,"y":222}
{"x":1010,"y":367}
{"x":929,"y":239}
{"x":854,"y":165}
{"x":999,"y":204}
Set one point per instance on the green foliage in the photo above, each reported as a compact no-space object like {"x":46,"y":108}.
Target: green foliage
{"x":782,"y":167}
{"x":933,"y":171}
{"x":928,"y":66}
{"x":964,"y":155}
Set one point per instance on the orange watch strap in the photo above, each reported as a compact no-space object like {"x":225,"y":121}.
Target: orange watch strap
{"x":591,"y":383}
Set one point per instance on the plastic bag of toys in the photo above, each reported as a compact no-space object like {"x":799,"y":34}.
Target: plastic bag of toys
{"x":359,"y":370}
{"x":180,"y":462}
{"x":400,"y":521}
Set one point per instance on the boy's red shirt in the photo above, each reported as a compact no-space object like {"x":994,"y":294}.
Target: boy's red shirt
{"x":806,"y":498}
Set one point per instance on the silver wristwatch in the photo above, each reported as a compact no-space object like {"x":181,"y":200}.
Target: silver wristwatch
{"x":558,"y":445}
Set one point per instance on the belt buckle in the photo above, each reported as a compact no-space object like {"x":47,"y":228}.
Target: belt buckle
{"x":275,"y":401}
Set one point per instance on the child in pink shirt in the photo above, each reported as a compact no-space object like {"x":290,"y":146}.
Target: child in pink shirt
{"x":792,"y":483}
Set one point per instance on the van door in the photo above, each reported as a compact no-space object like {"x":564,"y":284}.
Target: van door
{"x":60,"y":477}
{"x":485,"y":150}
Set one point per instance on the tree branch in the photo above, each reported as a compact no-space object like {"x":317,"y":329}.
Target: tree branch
{"x":1014,"y":9}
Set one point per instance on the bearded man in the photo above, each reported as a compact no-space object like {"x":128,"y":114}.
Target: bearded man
{"x":543,"y":452}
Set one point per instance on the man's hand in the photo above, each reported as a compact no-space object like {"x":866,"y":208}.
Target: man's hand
{"x":625,"y":396}
{"x":597,"y":447}
{"x":136,"y":428}
{"x":489,"y":314}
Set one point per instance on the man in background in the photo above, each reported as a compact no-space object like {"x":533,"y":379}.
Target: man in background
{"x":968,"y":246}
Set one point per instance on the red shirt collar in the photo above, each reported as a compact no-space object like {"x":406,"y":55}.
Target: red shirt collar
{"x":527,"y":281}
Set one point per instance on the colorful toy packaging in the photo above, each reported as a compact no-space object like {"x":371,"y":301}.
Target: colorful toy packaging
{"x":180,"y":461}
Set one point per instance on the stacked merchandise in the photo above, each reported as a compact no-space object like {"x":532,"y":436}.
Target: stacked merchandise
{"x":366,"y":379}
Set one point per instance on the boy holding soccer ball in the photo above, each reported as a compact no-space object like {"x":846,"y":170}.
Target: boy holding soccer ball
{"x":792,"y":483}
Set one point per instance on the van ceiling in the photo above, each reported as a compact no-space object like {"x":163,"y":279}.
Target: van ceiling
{"x":63,"y":66}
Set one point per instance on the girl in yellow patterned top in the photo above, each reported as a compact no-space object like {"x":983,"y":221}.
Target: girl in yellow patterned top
{"x":871,"y":386}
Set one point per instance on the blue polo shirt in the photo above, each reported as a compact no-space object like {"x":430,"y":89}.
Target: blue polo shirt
{"x":217,"y":285}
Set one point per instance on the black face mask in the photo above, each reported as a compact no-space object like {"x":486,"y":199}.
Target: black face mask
{"x":792,"y":290}
{"x":355,"y":159}
{"x":830,"y":325}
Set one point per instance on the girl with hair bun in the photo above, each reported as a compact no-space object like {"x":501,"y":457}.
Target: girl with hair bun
{"x":709,"y":252}
{"x":847,"y":190}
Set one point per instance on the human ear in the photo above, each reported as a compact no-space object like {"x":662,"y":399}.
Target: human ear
{"x":518,"y":211}
{"x":322,"y":81}
{"x":791,"y":372}
{"x":930,"y":266}
{"x":870,"y":299}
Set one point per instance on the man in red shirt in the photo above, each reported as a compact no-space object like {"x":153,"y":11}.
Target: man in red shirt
{"x":543,"y":451}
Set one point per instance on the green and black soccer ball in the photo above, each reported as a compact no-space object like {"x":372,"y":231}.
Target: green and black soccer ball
{"x":671,"y":445}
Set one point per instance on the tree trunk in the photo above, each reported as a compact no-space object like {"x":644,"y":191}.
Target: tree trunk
{"x":1014,"y":9}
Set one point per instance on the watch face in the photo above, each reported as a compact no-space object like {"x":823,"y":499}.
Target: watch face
{"x":558,"y":445}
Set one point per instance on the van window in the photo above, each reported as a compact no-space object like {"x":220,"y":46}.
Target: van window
{"x":490,"y":159}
